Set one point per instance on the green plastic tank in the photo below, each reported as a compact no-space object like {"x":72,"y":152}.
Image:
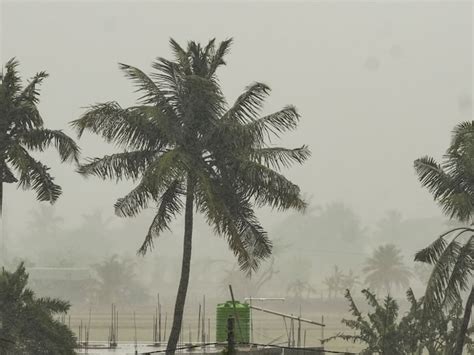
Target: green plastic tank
{"x":224,"y":310}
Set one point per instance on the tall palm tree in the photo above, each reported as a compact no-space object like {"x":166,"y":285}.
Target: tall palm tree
{"x":22,"y":130}
{"x":452,"y":254}
{"x":385,"y":269}
{"x":182,"y":142}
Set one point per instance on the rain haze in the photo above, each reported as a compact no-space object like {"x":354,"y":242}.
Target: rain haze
{"x":377,"y":86}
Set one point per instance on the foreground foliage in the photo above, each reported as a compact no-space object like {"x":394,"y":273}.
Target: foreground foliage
{"x":22,"y":130}
{"x":452,"y":254}
{"x":28,"y":324}
{"x":421,"y":329}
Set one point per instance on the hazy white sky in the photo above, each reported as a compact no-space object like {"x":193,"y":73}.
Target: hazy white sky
{"x":377,"y":84}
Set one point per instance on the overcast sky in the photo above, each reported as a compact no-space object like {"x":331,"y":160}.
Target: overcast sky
{"x":377,"y":85}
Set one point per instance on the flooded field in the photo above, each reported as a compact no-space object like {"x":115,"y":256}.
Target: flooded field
{"x":267,"y":329}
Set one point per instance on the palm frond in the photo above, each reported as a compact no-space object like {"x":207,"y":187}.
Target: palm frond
{"x":274,"y":124}
{"x":218,"y":58}
{"x":157,"y":178}
{"x":7,"y":175}
{"x":269,"y":187}
{"x":130,"y":127}
{"x":460,"y":277}
{"x":128,"y":165}
{"x":233,"y":218}
{"x":181,"y":55}
{"x":42,"y":138}
{"x":53,"y":305}
{"x":248,"y":105}
{"x":33,"y":174}
{"x":446,"y":190}
{"x":145,"y":85}
{"x":441,"y":273}
{"x":24,"y":116}
{"x":30,"y":93}
{"x":463,"y":134}
{"x":278,"y":158}
{"x":432,"y":253}
{"x":135,"y":201}
{"x":169,"y":204}
{"x":11,"y":81}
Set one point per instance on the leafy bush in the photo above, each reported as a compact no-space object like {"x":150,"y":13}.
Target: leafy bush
{"x":421,"y":329}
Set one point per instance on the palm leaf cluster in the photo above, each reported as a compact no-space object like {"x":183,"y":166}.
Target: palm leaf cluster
{"x":452,"y":254}
{"x":452,"y":257}
{"x":22,"y":130}
{"x":452,"y":185}
{"x":183,"y":138}
{"x":29,"y":324}
{"x":452,"y":181}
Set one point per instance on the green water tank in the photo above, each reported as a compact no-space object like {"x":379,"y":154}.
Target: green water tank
{"x":224,"y":310}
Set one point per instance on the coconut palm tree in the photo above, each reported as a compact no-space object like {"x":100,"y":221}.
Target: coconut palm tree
{"x":385,"y":269}
{"x":182,"y":142}
{"x":452,"y":254}
{"x":22,"y":130}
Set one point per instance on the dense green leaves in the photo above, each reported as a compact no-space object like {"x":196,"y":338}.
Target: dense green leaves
{"x":452,"y":254}
{"x":422,"y":329}
{"x":28,"y":323}
{"x":453,"y":266}
{"x":452,"y":181}
{"x":21,"y":131}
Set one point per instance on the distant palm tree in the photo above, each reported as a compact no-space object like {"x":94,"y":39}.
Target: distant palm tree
{"x":350,"y":280}
{"x":334,"y":282}
{"x":182,"y":142}
{"x":116,"y":280}
{"x":385,"y":269}
{"x":45,"y":222}
{"x":452,"y":254}
{"x":298,"y":288}
{"x":21,"y":131}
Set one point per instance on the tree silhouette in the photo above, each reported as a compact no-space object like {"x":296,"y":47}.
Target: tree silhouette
{"x":117,"y":281}
{"x":385,"y":269}
{"x":22,"y":131}
{"x":28,"y":324}
{"x":182,"y":142}
{"x":452,"y":254}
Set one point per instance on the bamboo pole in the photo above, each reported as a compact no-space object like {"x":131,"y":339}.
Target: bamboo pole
{"x":199,"y":323}
{"x":290,"y":316}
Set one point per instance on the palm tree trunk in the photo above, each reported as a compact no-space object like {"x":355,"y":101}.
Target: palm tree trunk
{"x":185,"y":269}
{"x":465,"y":324}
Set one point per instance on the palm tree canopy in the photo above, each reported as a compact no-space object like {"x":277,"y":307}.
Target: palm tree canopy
{"x":452,"y":185}
{"x":181,"y":131}
{"x":452,"y":181}
{"x":22,"y":130}
{"x":386,"y":267}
